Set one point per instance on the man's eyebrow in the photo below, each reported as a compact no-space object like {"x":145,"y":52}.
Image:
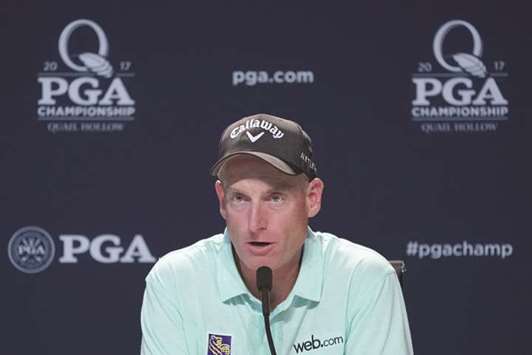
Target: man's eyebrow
{"x":275,"y":186}
{"x":232,"y":190}
{"x":282,"y":186}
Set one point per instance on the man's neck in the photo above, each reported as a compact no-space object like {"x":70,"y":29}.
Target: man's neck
{"x":283,"y":280}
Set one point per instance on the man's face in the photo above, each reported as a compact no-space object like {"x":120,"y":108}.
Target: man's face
{"x":266,"y":212}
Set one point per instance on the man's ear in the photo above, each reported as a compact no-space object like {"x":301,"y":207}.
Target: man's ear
{"x":218,"y":187}
{"x":314,"y":192}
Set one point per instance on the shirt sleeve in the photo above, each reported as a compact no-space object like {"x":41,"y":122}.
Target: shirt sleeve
{"x":380,"y":326}
{"x":161,"y":321}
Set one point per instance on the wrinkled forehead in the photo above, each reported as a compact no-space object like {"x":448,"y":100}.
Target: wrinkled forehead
{"x":247,"y":167}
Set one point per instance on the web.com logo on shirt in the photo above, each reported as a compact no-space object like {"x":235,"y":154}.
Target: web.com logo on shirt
{"x":315,"y":343}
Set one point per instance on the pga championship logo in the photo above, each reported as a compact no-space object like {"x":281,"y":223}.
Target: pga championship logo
{"x":84,"y":91}
{"x":461,"y":91}
{"x":32,"y":250}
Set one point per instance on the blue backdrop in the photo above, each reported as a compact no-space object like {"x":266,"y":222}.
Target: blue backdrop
{"x":111,"y":114}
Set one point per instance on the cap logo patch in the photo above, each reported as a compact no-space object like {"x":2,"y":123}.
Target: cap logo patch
{"x":254,"y":123}
{"x":253,"y":138}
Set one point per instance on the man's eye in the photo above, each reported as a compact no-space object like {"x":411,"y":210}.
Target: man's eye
{"x":237,"y":198}
{"x":276,"y":198}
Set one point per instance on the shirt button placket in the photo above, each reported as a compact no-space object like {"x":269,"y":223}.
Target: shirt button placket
{"x":262,"y":340}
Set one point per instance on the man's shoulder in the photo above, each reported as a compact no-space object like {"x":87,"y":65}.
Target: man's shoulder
{"x":195,"y":257}
{"x":344,"y":255}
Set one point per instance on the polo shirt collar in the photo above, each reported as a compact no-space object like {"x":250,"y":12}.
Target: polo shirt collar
{"x":230,"y":283}
{"x":310,"y":279}
{"x":308,"y":284}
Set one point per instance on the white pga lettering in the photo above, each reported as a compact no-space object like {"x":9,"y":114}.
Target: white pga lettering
{"x":83,"y":91}
{"x":105,"y":249}
{"x":457,"y":91}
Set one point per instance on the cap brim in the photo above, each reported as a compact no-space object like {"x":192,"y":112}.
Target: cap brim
{"x":274,"y":161}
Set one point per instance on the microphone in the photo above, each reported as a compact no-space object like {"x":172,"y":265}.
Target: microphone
{"x":264,"y":285}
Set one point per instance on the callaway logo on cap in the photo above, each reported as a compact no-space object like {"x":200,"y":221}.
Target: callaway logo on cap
{"x":280,"y":142}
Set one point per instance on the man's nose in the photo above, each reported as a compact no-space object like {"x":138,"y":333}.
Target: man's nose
{"x":257,"y":218}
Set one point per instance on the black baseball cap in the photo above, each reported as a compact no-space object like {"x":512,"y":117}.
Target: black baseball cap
{"x":278,"y":141}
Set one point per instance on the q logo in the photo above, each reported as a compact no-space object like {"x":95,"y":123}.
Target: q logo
{"x":92,"y":62}
{"x":31,"y":250}
{"x":469,"y":63}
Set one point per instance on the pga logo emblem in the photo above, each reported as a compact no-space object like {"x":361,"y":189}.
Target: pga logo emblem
{"x":467,"y":84}
{"x":32,"y":250}
{"x":84,"y":90}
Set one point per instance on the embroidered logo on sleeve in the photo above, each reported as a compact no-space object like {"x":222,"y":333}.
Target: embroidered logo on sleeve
{"x":219,"y":345}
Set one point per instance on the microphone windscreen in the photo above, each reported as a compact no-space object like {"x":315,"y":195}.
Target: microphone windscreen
{"x":264,"y":278}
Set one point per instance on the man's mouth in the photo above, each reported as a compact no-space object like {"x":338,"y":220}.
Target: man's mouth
{"x":260,"y":244}
{"x":260,"y":248}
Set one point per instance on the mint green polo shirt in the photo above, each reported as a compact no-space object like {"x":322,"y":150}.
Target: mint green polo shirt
{"x":346,"y":300}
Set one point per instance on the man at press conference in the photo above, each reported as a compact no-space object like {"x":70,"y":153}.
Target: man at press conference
{"x":270,"y":284}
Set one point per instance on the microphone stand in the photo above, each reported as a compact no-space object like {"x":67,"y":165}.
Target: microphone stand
{"x":264,"y":284}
